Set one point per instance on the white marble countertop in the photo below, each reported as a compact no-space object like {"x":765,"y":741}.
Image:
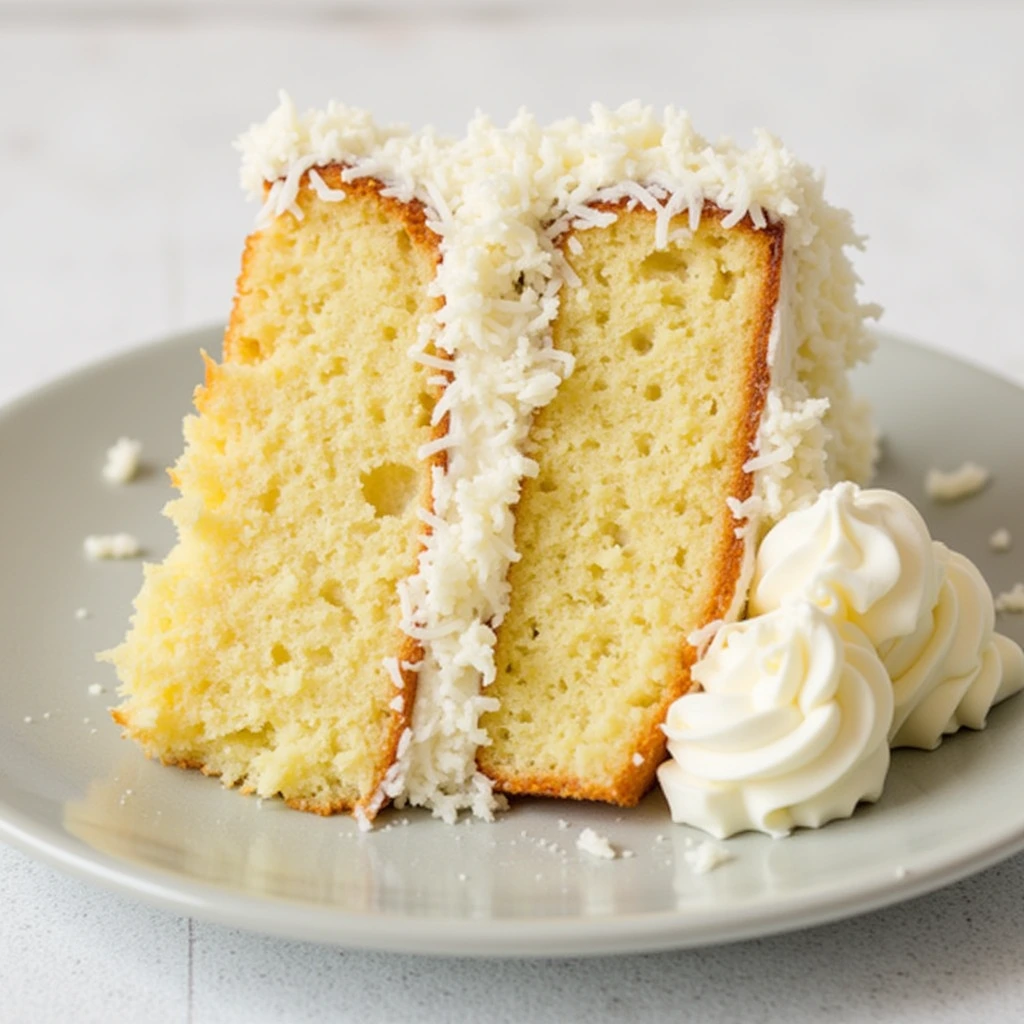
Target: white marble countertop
{"x":121,"y":222}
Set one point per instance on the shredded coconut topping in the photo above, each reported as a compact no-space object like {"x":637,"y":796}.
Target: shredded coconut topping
{"x":499,"y":200}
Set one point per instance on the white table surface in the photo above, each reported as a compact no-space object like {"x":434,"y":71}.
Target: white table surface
{"x":120,"y":221}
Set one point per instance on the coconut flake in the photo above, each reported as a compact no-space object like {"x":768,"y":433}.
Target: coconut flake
{"x":1000,"y":540}
{"x":122,"y":461}
{"x":596,"y":845}
{"x":114,"y":545}
{"x":1011,"y":600}
{"x":962,"y":482}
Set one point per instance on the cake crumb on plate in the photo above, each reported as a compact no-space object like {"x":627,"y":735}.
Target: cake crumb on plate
{"x":1011,"y":600}
{"x":595,"y":844}
{"x":707,"y":857}
{"x":113,"y":545}
{"x":959,"y":483}
{"x":1000,"y":540}
{"x":122,"y":461}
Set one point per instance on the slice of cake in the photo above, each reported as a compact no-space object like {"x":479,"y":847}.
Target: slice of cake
{"x":500,"y":422}
{"x":712,"y":315}
{"x":266,"y":649}
{"x":626,"y":540}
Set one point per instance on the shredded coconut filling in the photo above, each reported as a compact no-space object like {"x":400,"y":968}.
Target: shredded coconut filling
{"x":499,"y":200}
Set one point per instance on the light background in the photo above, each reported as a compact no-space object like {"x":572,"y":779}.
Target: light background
{"x":121,"y":221}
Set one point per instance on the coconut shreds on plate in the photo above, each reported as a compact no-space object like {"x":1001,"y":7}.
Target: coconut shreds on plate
{"x":595,"y":844}
{"x":112,"y":545}
{"x":1000,"y":540}
{"x":1011,"y":600}
{"x":706,"y":857}
{"x":122,"y":461}
{"x":962,"y":482}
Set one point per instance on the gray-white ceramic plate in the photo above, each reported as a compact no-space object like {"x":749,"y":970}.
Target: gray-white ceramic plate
{"x":74,"y":793}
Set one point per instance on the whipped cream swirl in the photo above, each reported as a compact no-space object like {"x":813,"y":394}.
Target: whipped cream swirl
{"x":861,"y":555}
{"x":790,"y":729}
{"x":954,"y":666}
{"x":867,"y":557}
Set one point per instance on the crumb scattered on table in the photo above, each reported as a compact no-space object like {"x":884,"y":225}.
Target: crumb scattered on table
{"x":706,"y":857}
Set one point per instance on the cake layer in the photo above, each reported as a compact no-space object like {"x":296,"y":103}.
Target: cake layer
{"x":267,"y":648}
{"x":626,"y":539}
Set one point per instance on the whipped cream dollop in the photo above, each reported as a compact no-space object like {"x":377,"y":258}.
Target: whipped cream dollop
{"x":866,"y":557}
{"x":954,"y":667}
{"x":860,"y":555}
{"x":790,"y":730}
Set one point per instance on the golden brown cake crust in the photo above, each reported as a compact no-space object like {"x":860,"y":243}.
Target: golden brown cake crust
{"x":628,"y":787}
{"x":414,"y":219}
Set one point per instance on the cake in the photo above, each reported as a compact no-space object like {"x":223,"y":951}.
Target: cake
{"x":499,"y":423}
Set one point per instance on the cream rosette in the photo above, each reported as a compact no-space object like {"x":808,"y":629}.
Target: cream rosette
{"x":954,"y":667}
{"x":790,"y":729}
{"x":861,"y":555}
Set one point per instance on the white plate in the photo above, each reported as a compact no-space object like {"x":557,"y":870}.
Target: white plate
{"x":75,"y":794}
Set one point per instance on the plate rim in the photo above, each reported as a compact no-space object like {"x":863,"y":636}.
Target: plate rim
{"x":523,"y":938}
{"x":613,"y":933}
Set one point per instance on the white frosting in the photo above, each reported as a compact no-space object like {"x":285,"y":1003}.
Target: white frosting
{"x":865,"y":556}
{"x":790,"y":729}
{"x":498,"y":199}
{"x":951,"y":670}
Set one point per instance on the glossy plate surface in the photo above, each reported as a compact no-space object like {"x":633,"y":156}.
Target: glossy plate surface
{"x":75,"y":794}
